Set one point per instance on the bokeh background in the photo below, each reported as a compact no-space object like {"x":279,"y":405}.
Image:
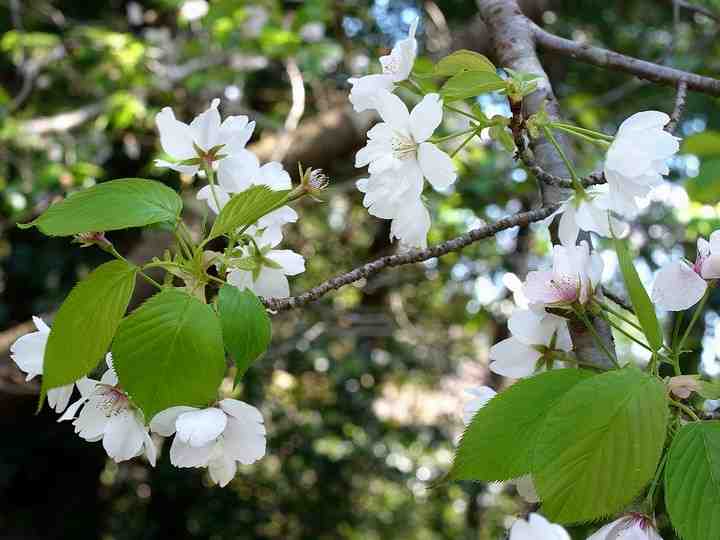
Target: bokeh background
{"x":362,"y":392}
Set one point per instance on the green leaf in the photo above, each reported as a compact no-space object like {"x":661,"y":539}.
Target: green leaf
{"x":118,"y":204}
{"x":245,"y":324}
{"x":498,"y":443}
{"x":246,"y":208}
{"x":86,"y":323}
{"x":463,"y":60}
{"x":600,"y":445}
{"x":709,"y":389}
{"x":692,"y":481}
{"x":470,"y":84}
{"x":169,"y":352}
{"x":705,"y":144}
{"x":643,"y":306}
{"x":705,"y":187}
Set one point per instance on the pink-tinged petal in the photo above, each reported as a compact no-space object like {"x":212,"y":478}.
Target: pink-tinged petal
{"x":512,"y":358}
{"x":198,"y":428}
{"x":436,"y":165}
{"x":677,"y":287}
{"x":426,"y":117}
{"x":547,"y":287}
{"x":183,"y":455}
{"x":205,"y":127}
{"x":393,"y":111}
{"x":163,"y":423}
{"x":175,"y":136}
{"x":711,"y":267}
{"x":714,"y":245}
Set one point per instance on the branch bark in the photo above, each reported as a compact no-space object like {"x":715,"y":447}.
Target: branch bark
{"x":512,"y":35}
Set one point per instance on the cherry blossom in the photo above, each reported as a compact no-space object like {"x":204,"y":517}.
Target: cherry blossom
{"x":537,"y":337}
{"x":537,"y":528}
{"x":574,"y":277}
{"x":589,"y":211}
{"x":396,"y":67}
{"x":679,"y":285}
{"x":268,"y":277}
{"x":205,"y":136}
{"x":629,"y":527}
{"x":106,"y":413}
{"x":637,"y":159}
{"x":28,"y":352}
{"x":216,"y":437}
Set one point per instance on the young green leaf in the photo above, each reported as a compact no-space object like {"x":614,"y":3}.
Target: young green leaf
{"x":118,"y":204}
{"x":463,"y":60}
{"x":86,"y":323}
{"x":600,"y":445}
{"x":692,"y":481}
{"x":246,"y":208}
{"x":169,"y":352}
{"x":498,"y":443}
{"x":466,"y":84}
{"x":245,"y":325}
{"x":641,"y":302}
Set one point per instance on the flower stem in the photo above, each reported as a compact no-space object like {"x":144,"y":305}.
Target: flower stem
{"x":464,"y":143}
{"x":436,"y":140}
{"x":649,"y":502}
{"x":684,"y":408}
{"x":577,"y":184}
{"x":617,"y":314}
{"x":111,"y":249}
{"x":211,"y":180}
{"x":694,"y":319}
{"x":570,"y":128}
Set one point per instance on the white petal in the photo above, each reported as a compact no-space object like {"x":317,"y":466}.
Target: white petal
{"x":274,"y":176}
{"x":244,"y":440}
{"x":411,"y":225}
{"x":292,"y":263}
{"x":393,"y":111}
{"x":568,"y":228}
{"x":235,"y":132}
{"x":426,"y":117}
{"x":163,"y":423}
{"x":241,"y":410}
{"x":512,"y":358}
{"x":242,"y":279}
{"x":677,"y":287}
{"x":537,"y":528}
{"x":198,"y":428}
{"x":149,"y":448}
{"x":183,"y":455}
{"x":644,"y":120}
{"x":175,"y":136}
{"x":238,"y":171}
{"x":482,"y":395}
{"x":364,"y":91}
{"x":90,"y":423}
{"x":206,"y":194}
{"x":714,"y":248}
{"x":436,"y":165}
{"x":69,"y":413}
{"x":45,"y":329}
{"x":271,"y":283}
{"x":28,"y":353}
{"x":86,"y":386}
{"x":182,"y":169}
{"x":124,"y":436}
{"x":711,"y":267}
{"x":222,"y":469}
{"x":205,"y":127}
{"x":58,"y":398}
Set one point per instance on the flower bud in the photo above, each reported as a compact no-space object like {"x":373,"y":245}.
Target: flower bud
{"x":92,"y":239}
{"x":312,"y":182}
{"x":684,"y":385}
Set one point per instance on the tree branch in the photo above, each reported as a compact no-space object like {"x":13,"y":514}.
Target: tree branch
{"x":619,"y":62}
{"x":693,"y":8}
{"x":411,"y":257}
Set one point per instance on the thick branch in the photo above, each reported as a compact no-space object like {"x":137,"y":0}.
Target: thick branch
{"x":619,"y":62}
{"x":411,"y":257}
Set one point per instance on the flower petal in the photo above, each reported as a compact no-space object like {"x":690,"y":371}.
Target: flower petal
{"x":512,"y":358}
{"x":222,"y":469}
{"x":205,"y":127}
{"x":175,"y":136}
{"x":198,"y":428}
{"x":392,"y":110}
{"x":426,"y":117}
{"x":163,"y":423}
{"x":292,"y":263}
{"x":436,"y":165}
{"x":206,"y":194}
{"x":183,"y":455}
{"x":677,"y":287}
{"x":244,"y":440}
{"x":124,"y":436}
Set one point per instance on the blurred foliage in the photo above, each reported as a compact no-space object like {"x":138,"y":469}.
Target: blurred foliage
{"x":362,"y":392}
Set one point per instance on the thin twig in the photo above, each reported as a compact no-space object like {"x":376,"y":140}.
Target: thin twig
{"x":521,"y":219}
{"x":679,"y":108}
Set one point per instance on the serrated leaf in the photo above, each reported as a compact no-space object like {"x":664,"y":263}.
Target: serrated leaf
{"x":468,"y":84}
{"x":498,"y":443}
{"x":246,"y":327}
{"x":643,"y":306}
{"x":246,"y":208}
{"x":169,"y":352}
{"x":118,"y":204}
{"x":705,"y":187}
{"x":600,"y":445}
{"x":692,"y":481}
{"x":463,"y":60}
{"x":86,"y":323}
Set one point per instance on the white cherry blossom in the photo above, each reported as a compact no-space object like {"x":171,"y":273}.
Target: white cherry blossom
{"x":537,"y":528}
{"x":628,"y":527}
{"x":269,"y":278}
{"x":105,"y":413}
{"x":217,"y":437}
{"x":637,"y":159}
{"x":398,"y":145}
{"x":28,"y":352}
{"x":679,"y":285}
{"x":206,"y":131}
{"x":534,"y":335}
{"x":590,"y":212}
{"x":574,"y":277}
{"x":396,"y":67}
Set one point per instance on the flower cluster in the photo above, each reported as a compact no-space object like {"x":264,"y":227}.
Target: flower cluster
{"x":216,"y":438}
{"x":635,"y":163}
{"x":218,"y":149}
{"x":399,"y":154}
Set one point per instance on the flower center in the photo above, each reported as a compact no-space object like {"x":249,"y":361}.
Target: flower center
{"x":114,"y":400}
{"x":565,"y":288}
{"x":403,"y":147}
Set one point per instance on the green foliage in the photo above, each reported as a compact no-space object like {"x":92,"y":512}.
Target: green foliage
{"x":692,"y":481}
{"x":246,"y":208}
{"x":641,"y":302}
{"x":498,"y":444}
{"x":600,"y":445}
{"x":246,"y":327}
{"x":463,"y":60}
{"x":118,"y":204}
{"x":170,"y":352}
{"x":86,"y":322}
{"x":705,"y":144}
{"x":466,"y":84}
{"x":705,"y":187}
